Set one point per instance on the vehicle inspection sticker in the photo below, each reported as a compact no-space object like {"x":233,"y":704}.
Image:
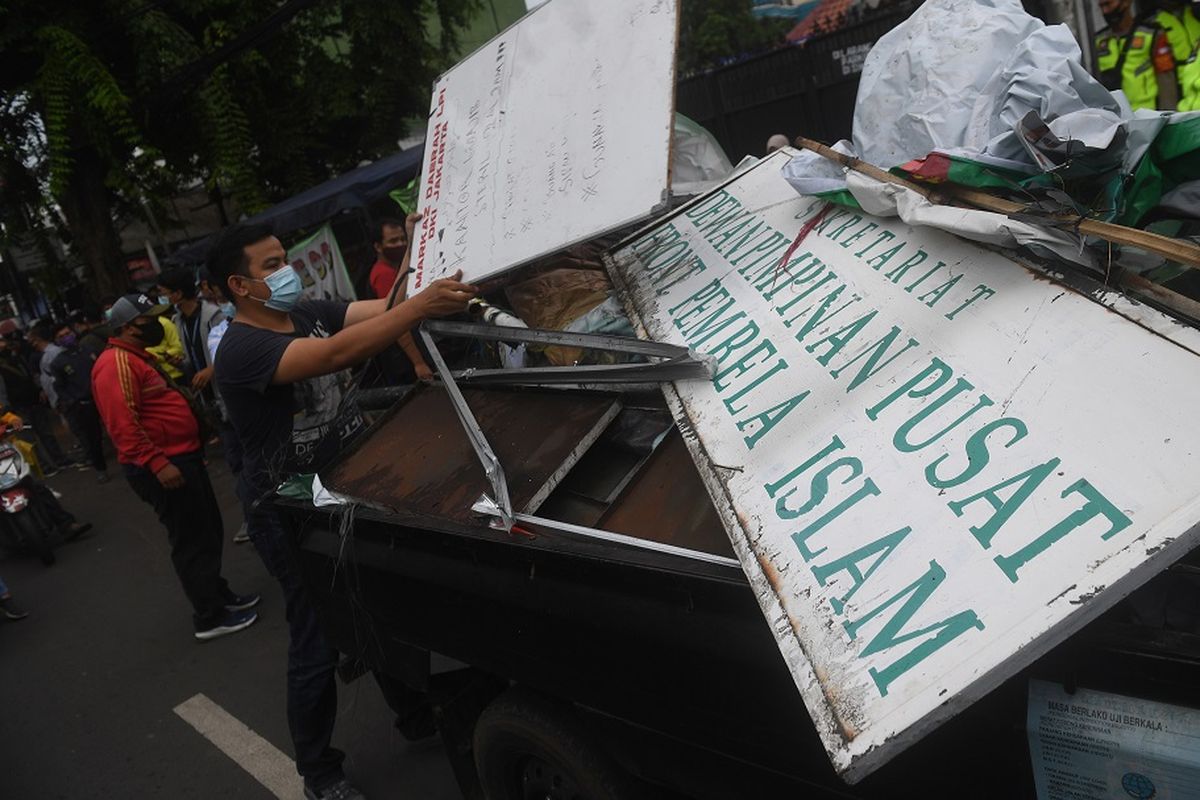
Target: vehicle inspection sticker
{"x":1098,"y":745}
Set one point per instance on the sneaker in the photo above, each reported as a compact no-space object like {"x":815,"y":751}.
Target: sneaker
{"x":11,"y":611}
{"x":242,"y":602}
{"x":232,"y":622}
{"x":341,"y":789}
{"x":242,"y":536}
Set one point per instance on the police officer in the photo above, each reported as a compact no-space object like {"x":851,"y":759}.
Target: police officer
{"x":1148,"y":58}
{"x":1189,"y":72}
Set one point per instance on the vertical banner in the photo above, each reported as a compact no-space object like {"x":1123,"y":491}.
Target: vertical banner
{"x":318,"y":262}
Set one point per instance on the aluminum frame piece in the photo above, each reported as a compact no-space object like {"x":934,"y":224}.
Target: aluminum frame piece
{"x":682,"y":363}
{"x":485,"y":505}
{"x":491,"y":464}
{"x":675,"y":369}
{"x":590,"y":341}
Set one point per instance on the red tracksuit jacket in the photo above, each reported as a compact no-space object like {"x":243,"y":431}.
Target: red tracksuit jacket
{"x":146,"y":419}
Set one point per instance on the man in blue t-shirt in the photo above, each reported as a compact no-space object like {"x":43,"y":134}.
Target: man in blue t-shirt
{"x":281,"y":370}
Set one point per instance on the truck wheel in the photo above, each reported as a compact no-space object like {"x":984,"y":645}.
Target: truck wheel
{"x":527,"y":748}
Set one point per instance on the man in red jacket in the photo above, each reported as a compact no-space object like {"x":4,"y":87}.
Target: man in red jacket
{"x":391,"y":238}
{"x":158,"y":444}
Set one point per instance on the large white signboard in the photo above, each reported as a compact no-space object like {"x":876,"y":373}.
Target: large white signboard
{"x":933,"y":463}
{"x":555,"y":131}
{"x":1089,"y":745}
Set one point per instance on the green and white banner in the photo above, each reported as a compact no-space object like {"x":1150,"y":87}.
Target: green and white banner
{"x":318,"y":261}
{"x":934,"y":462}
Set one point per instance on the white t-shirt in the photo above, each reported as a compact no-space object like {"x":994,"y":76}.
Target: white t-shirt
{"x":214,"y":339}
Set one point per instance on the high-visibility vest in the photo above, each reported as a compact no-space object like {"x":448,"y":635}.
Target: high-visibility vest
{"x":1189,"y":82}
{"x":1182,"y":30}
{"x":1134,"y":72}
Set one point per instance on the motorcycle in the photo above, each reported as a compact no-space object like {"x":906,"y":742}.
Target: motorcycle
{"x":30,"y":522}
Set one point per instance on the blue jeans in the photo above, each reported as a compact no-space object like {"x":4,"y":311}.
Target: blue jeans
{"x":3,"y":588}
{"x":312,"y":662}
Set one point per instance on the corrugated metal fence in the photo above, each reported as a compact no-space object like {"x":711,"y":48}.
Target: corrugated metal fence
{"x":805,"y":90}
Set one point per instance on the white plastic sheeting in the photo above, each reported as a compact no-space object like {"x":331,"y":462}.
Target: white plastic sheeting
{"x":958,"y":77}
{"x":697,"y":161}
{"x":810,"y":174}
{"x":960,"y":74}
{"x":987,"y":227}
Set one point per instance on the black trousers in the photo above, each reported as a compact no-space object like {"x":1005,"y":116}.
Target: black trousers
{"x":312,"y":661}
{"x":194,"y":528}
{"x":44,"y":421}
{"x":84,"y":421}
{"x":231,"y":446}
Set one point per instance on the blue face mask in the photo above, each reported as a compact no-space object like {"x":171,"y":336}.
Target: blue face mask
{"x":285,"y":288}
{"x":228,"y":309}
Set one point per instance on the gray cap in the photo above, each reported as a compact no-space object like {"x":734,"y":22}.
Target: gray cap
{"x":131,"y":306}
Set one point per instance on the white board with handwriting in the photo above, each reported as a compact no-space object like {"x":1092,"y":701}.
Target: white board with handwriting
{"x":557,"y":130}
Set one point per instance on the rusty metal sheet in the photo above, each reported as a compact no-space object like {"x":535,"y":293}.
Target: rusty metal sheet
{"x":667,"y":502}
{"x":419,"y":460}
{"x":655,"y":495}
{"x":934,"y":461}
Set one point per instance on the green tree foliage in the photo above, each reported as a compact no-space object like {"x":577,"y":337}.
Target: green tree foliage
{"x":110,"y":106}
{"x":714,"y":31}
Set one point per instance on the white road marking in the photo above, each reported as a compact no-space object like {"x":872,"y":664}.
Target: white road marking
{"x":263,"y":760}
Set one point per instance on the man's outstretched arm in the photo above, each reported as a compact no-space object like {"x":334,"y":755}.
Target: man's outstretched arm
{"x":359,"y":340}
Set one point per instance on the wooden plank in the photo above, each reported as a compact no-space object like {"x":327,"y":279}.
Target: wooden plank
{"x":1183,"y":252}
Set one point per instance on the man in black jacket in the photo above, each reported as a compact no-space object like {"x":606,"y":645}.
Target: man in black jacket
{"x":24,"y":393}
{"x":72,"y":373}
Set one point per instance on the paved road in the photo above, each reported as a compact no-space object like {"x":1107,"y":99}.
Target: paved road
{"x":89,"y":681}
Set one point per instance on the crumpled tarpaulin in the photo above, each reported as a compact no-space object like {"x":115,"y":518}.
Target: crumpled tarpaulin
{"x":980,"y":93}
{"x":960,"y":75}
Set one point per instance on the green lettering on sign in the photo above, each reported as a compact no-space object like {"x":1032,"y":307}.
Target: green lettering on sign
{"x":850,"y":563}
{"x":891,"y":634}
{"x":978,"y":455}
{"x":1026,"y":482}
{"x":1096,"y":505}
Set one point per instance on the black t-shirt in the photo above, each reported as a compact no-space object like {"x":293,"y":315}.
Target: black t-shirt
{"x":94,"y":341}
{"x":72,"y":372}
{"x":284,"y":428}
{"x":22,"y":389}
{"x":190,"y":331}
